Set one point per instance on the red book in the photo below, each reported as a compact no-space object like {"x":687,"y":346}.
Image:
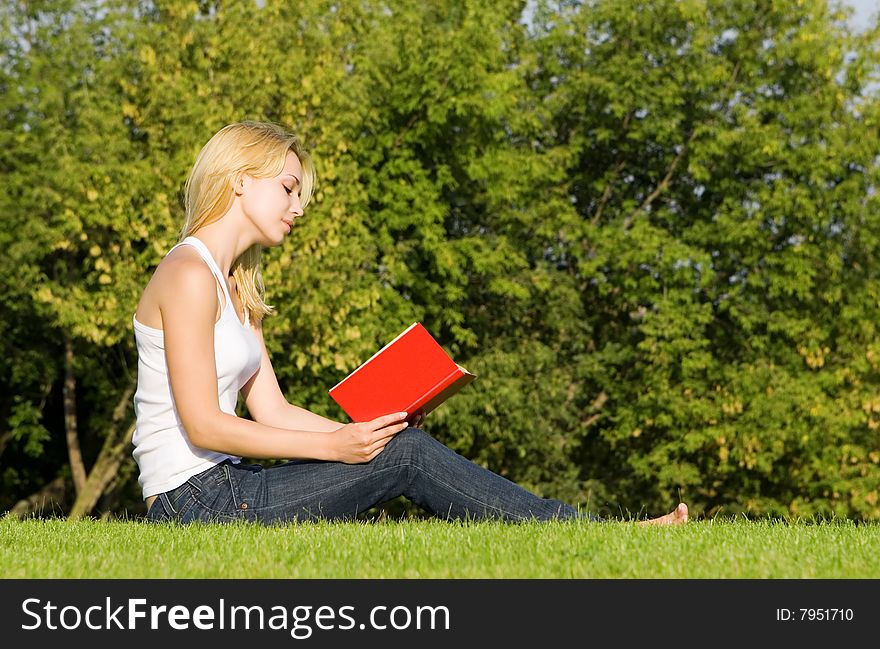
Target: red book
{"x":409,"y":374}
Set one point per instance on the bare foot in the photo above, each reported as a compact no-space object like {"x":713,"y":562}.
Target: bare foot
{"x":676,"y":517}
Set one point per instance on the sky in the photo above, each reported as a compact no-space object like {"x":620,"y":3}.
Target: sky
{"x":864,"y":10}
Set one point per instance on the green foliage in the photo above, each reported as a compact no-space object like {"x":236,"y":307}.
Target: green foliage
{"x":647,"y":226}
{"x":724,"y":160}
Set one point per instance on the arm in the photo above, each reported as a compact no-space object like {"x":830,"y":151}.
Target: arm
{"x":267,"y":404}
{"x":188,"y":325}
{"x":188,"y":311}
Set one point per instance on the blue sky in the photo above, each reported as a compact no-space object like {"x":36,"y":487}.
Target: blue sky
{"x":864,"y":10}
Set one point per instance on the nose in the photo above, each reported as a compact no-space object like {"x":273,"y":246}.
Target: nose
{"x":295,"y":205}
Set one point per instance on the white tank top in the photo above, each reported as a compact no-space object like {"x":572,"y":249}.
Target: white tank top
{"x":163,"y":452}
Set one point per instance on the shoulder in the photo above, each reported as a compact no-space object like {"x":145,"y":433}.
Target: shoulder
{"x":183,"y":264}
{"x":183,"y":276}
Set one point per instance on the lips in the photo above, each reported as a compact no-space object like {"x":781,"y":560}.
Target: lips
{"x":288,"y":223}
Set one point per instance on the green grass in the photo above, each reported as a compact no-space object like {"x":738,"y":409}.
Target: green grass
{"x":53,"y":548}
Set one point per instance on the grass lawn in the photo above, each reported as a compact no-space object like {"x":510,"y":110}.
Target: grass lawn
{"x":55,"y":548}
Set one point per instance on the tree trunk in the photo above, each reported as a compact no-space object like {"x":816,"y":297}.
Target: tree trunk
{"x":102,"y":473}
{"x":52,"y":495}
{"x":4,"y":440}
{"x":77,"y":469}
{"x":112,"y":453}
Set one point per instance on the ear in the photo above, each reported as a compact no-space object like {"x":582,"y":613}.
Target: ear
{"x":239,"y":183}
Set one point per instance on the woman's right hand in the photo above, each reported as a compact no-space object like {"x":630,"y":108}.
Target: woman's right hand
{"x":361,"y":442}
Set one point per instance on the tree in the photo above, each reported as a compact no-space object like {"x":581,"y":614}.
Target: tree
{"x":646,"y":226}
{"x":723,"y":160}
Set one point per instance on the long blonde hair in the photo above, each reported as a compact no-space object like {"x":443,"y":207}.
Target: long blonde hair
{"x":258,"y":149}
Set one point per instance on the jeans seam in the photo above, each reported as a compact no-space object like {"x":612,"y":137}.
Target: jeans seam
{"x":476,"y":500}
{"x":166,"y":504}
{"x":199,"y":480}
{"x":271,"y":508}
{"x":187,"y":506}
{"x":232,"y":487}
{"x":215,"y":511}
{"x":324,"y":490}
{"x":228,"y":480}
{"x":157,"y":512}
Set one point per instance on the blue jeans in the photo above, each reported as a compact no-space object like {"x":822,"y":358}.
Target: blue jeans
{"x":413,"y":464}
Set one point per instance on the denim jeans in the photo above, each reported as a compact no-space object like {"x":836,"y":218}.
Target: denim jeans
{"x":413,"y":464}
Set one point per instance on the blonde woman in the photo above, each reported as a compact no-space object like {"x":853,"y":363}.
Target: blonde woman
{"x":198,"y":329}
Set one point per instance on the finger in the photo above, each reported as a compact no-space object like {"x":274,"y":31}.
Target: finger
{"x":379,"y":444}
{"x":386,"y":420}
{"x":382,"y":441}
{"x":385,"y":434}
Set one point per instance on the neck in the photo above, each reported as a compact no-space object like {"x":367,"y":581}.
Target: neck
{"x":225,"y":241}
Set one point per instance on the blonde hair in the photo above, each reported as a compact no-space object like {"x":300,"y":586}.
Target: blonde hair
{"x":258,"y":149}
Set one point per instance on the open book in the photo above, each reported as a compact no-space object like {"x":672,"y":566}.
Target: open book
{"x":412,"y":373}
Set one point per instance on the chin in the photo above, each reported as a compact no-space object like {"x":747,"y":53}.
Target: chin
{"x":272,"y":239}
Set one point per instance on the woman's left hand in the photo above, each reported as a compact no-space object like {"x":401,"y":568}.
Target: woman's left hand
{"x":417,"y":419}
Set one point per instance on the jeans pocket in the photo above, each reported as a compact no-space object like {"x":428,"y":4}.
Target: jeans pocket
{"x":216,"y":496}
{"x":156,"y":512}
{"x":249,"y":489}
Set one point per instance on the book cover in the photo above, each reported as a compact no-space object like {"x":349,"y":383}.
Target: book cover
{"x":411,"y":373}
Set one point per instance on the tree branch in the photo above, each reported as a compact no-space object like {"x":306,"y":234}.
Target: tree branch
{"x":77,"y":468}
{"x":596,"y":409}
{"x":51,"y":495}
{"x":606,"y":193}
{"x":621,"y":163}
{"x":667,"y":179}
{"x":627,"y":223}
{"x":111,"y":456}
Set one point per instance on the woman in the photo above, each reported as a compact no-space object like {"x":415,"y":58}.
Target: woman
{"x":198,"y":328}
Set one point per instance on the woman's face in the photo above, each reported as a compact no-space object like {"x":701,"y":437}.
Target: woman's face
{"x":272,"y":204}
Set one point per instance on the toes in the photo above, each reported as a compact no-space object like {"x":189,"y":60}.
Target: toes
{"x":675,"y":517}
{"x":681,"y":512}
